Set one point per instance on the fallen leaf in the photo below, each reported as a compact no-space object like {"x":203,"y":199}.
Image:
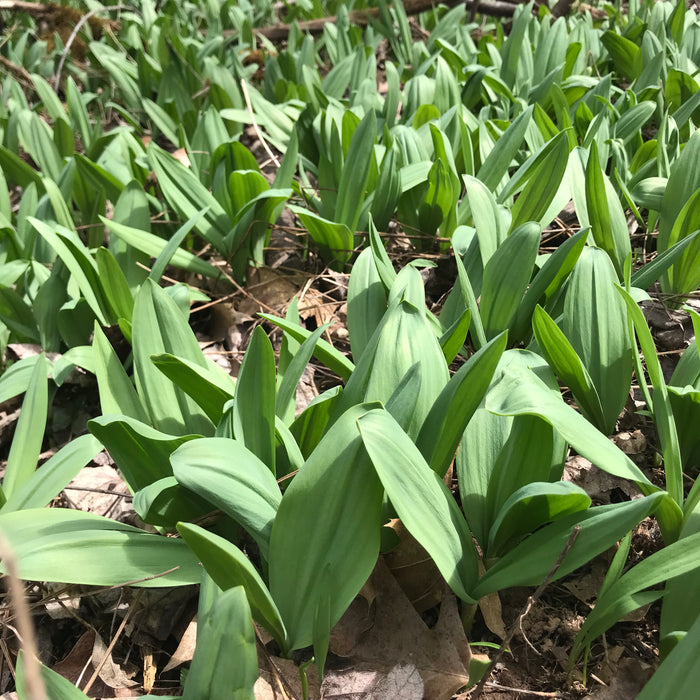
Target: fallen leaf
{"x":414,"y":569}
{"x":185,"y":649}
{"x":399,"y":636}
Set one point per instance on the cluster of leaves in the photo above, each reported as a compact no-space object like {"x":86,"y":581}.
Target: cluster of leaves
{"x":471,"y":148}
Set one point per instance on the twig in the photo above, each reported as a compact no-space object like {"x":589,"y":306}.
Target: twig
{"x":20,"y":71}
{"x":83,"y":20}
{"x":362,"y":18}
{"x":522,"y":691}
{"x":258,"y":133}
{"x":112,"y":644}
{"x":32,"y":671}
{"x":528,"y":606}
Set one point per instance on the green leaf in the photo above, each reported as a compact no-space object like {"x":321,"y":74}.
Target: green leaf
{"x":422,"y":501}
{"x":29,"y":433}
{"x":522,"y":392}
{"x":330,"y":516}
{"x":597,"y":331}
{"x":607,"y":218}
{"x":229,"y":567}
{"x":444,"y":425}
{"x":353,"y":179}
{"x":529,"y":562}
{"x":543,"y":185}
{"x":115,"y":286}
{"x":667,"y":683}
{"x":57,"y":687}
{"x":141,"y":452}
{"x":626,"y":55}
{"x":562,"y":358}
{"x":51,"y":478}
{"x":532,"y":506}
{"x":336,"y":240}
{"x":233,"y":479}
{"x":254,"y":402}
{"x":324,"y":352}
{"x":117,"y":393}
{"x":71,"y":546}
{"x":225,"y":661}
{"x":209,"y":387}
{"x":154,"y":246}
{"x":506,"y":277}
{"x":366,"y":302}
{"x":622,"y":597}
{"x":159,"y":327}
{"x":285,"y":402}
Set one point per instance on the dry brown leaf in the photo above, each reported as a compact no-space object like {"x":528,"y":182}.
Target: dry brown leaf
{"x":100,"y":490}
{"x":399,"y":636}
{"x":185,"y":649}
{"x":631,"y":443}
{"x":87,"y":654}
{"x":414,"y":570}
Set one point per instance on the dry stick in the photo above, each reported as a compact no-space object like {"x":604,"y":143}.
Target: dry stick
{"x":362,"y":18}
{"x":112,"y":644}
{"x":74,"y":34}
{"x":528,"y":606}
{"x":32,"y":671}
{"x":244,"y":87}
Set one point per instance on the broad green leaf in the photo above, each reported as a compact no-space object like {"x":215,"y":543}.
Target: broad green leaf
{"x":168,"y":253}
{"x":621,"y":598}
{"x":532,"y":506}
{"x":233,"y":479}
{"x":668,"y":683}
{"x":366,"y":302}
{"x":543,"y":186}
{"x":51,"y":478}
{"x":356,"y":167}
{"x":159,"y":327}
{"x":210,"y":387}
{"x":330,"y":516}
{"x":444,"y":425}
{"x":29,"y":433}
{"x":324,"y":352}
{"x":506,"y":277}
{"x":562,"y":358}
{"x":607,"y":218}
{"x":154,"y":247}
{"x":528,"y":563}
{"x":597,"y":332}
{"x":225,"y":661}
{"x":335,"y":239}
{"x":422,"y":501}
{"x":15,"y":379}
{"x":187,"y":196}
{"x":71,"y":546}
{"x":229,"y":567}
{"x":547,"y":282}
{"x":76,"y":258}
{"x":141,"y":452}
{"x":114,"y":284}
{"x":523,"y":393}
{"x":652,"y":271}
{"x":254,"y":401}
{"x":626,"y":55}
{"x":117,"y":393}
{"x":164,"y":503}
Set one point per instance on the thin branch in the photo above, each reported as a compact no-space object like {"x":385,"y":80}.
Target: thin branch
{"x":528,"y":606}
{"x":73,"y":35}
{"x":248,"y":104}
{"x":32,"y":670}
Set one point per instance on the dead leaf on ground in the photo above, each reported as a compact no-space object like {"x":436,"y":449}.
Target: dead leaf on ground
{"x":100,"y":490}
{"x":87,"y":654}
{"x":399,"y":636}
{"x":626,"y":683}
{"x":414,"y":569}
{"x":185,"y":649}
